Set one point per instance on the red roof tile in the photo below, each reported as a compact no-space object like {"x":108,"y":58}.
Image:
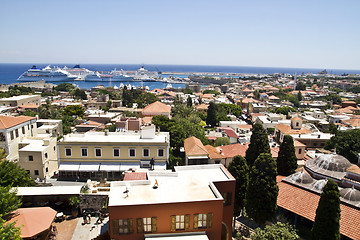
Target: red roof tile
{"x":130,"y":176}
{"x":8,"y":121}
{"x":233,"y":150}
{"x":304,"y":203}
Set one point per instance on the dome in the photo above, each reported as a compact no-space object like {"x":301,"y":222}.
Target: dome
{"x":302,"y":177}
{"x":332,"y":162}
{"x":320,"y":184}
{"x":350,"y":194}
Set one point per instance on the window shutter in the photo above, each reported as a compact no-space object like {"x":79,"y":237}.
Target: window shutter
{"x":209,"y":220}
{"x":196,"y":220}
{"x":187,"y":222}
{"x":153,"y":224}
{"x":172,"y":223}
{"x":140,"y":226}
{"x":130,"y":225}
{"x":116,"y":227}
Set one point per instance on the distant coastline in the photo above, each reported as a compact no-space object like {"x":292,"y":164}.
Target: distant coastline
{"x":9,"y":72}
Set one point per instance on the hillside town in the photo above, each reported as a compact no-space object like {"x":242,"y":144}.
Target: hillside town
{"x":234,"y":159}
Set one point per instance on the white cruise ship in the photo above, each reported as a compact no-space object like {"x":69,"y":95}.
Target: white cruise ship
{"x":144,"y":75}
{"x":79,"y":72}
{"x":48,"y":74}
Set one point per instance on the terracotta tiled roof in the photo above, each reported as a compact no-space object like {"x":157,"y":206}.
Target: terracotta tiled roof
{"x":29,"y":106}
{"x":304,"y":203}
{"x":208,"y":95}
{"x":194,"y":147}
{"x":8,"y":121}
{"x":233,"y":150}
{"x":248,"y":100}
{"x":348,"y":109}
{"x":354,"y":169}
{"x":274,"y":152}
{"x":157,"y":107}
{"x":146,"y":120}
{"x":288,"y":130}
{"x":202,"y":106}
{"x":229,"y":132}
{"x":213,"y":152}
{"x":274,"y":97}
{"x":130,"y":176}
{"x":354,"y":122}
{"x":244,"y":126}
{"x":296,"y":118}
{"x":298,"y":144}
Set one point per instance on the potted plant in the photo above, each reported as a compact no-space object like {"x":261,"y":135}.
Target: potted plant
{"x":74,"y":202}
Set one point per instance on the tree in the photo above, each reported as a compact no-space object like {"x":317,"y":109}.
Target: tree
{"x":327,"y":225}
{"x":211,"y":118}
{"x":221,"y":141}
{"x":332,"y":128}
{"x":299,"y":96}
{"x":9,"y":231}
{"x":74,"y":110}
{"x":230,"y":108}
{"x":262,"y":191}
{"x":8,"y":200}
{"x":287,"y":160}
{"x":12,"y":175}
{"x":80,"y":94}
{"x":346,"y":143}
{"x":65,"y":87}
{"x":240,"y":171}
{"x":30,"y":113}
{"x":300,"y":85}
{"x":275,"y":232}
{"x":259,"y":143}
{"x":189,"y":102}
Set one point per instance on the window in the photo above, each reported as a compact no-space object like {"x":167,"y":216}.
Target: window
{"x":122,"y":226}
{"x":84,"y":152}
{"x":17,"y":133}
{"x":160,"y":152}
{"x":54,"y":148}
{"x":315,"y":144}
{"x":23,"y":130}
{"x":46,"y":155}
{"x":132,"y":152}
{"x":36,"y":172}
{"x":31,"y":158}
{"x":227,"y":198}
{"x":68,"y":152}
{"x":203,"y":220}
{"x":146,"y":224}
{"x":180,"y":222}
{"x":146,"y":152}
{"x":297,"y":124}
{"x":97,"y":152}
{"x":12,"y":135}
{"x":2,"y":137}
{"x":116,"y":152}
{"x":47,"y":169}
{"x":300,"y":150}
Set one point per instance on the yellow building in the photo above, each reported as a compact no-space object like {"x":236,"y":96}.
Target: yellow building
{"x":106,"y":154}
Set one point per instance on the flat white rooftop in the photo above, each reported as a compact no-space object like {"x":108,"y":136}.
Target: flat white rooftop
{"x":34,"y":145}
{"x":53,"y":190}
{"x":114,"y":137}
{"x":15,"y":98}
{"x":187,"y":184}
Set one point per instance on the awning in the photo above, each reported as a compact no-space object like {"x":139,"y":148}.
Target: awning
{"x":110,"y":167}
{"x":177,"y":236}
{"x":89,"y":167}
{"x":127,"y":166}
{"x":160,"y":166}
{"x":69,"y":166}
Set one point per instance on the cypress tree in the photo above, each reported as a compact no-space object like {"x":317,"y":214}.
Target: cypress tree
{"x":287,"y":160}
{"x":189,"y":102}
{"x":259,"y":143}
{"x":262,"y":191}
{"x":327,"y":225}
{"x":240,"y":171}
{"x":211,"y":118}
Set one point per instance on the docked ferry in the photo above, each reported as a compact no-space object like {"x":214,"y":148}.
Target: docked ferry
{"x":48,"y":74}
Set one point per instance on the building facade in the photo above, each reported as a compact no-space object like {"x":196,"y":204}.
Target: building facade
{"x":107,"y":154}
{"x":202,"y":201}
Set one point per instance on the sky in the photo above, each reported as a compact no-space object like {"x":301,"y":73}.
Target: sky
{"x":300,"y":34}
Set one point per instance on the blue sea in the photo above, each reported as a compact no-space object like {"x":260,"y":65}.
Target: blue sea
{"x":10,"y":72}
